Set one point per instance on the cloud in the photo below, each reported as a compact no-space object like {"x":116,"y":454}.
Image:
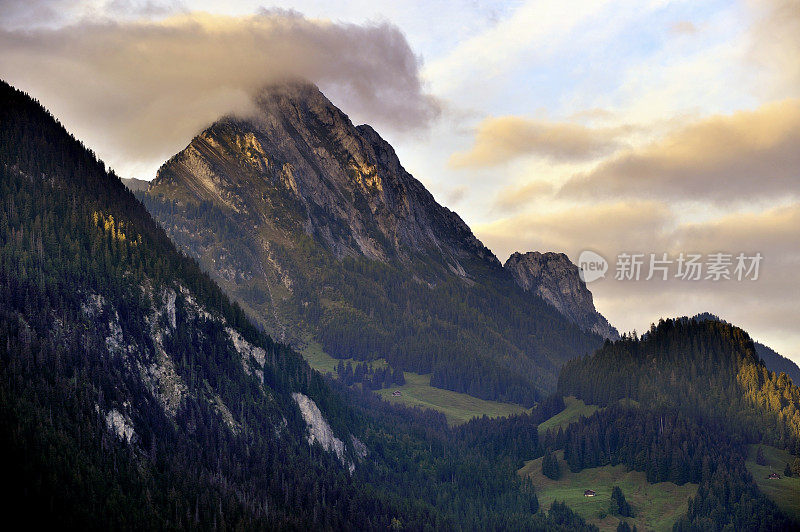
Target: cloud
{"x":498,"y":140}
{"x":139,"y":90}
{"x":725,"y":159}
{"x":18,"y":13}
{"x":684,"y":27}
{"x":775,"y":233}
{"x":456,"y":195}
{"x":514,"y":198}
{"x":53,"y":13}
{"x":608,"y":227}
{"x":533,"y":31}
{"x":775,"y":45}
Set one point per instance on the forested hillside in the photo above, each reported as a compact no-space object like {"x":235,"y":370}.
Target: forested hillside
{"x":125,"y":399}
{"x":773,"y":360}
{"x":709,"y":369}
{"x":134,"y":395}
{"x":669,"y":445}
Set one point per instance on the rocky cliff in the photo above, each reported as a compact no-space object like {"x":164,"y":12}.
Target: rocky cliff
{"x":553,"y":277}
{"x":301,"y":157}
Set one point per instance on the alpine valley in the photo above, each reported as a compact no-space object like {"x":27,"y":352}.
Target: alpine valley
{"x":155,"y":348}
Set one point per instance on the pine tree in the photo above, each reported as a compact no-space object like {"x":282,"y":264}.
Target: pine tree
{"x":619,"y":505}
{"x":550,"y":466}
{"x":760,"y":460}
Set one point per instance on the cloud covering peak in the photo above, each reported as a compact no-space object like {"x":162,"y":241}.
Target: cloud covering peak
{"x":141,"y":89}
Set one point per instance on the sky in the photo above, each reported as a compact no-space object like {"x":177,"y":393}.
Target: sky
{"x":628,"y":128}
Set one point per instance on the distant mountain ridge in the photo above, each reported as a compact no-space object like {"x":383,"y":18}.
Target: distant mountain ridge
{"x":136,"y":185}
{"x":554,"y":278}
{"x":314,"y":226}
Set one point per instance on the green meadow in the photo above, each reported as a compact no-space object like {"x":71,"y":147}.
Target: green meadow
{"x":417,"y":391}
{"x":573,"y":410}
{"x":785,"y":492}
{"x":656,"y":506}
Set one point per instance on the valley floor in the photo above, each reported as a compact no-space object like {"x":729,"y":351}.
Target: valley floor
{"x":656,"y":506}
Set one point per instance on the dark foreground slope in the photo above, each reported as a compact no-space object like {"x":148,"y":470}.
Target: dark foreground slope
{"x":314,"y":226}
{"x":134,"y":395}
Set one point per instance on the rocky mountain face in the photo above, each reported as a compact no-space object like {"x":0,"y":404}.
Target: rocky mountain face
{"x":554,"y":278}
{"x":313,"y":225}
{"x":341,"y":184}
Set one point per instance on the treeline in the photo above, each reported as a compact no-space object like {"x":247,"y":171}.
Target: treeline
{"x":369,"y":376}
{"x":706,"y":369}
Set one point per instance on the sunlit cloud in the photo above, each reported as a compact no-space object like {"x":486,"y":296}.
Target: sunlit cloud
{"x":684,"y":27}
{"x":498,"y":140}
{"x":732,"y":158}
{"x":613,"y":226}
{"x":775,"y":46}
{"x":512,"y":199}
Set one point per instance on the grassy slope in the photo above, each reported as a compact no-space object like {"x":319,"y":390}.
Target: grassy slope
{"x":574,"y":409}
{"x":785,"y":492}
{"x":458,"y":407}
{"x":417,"y":391}
{"x":656,"y":506}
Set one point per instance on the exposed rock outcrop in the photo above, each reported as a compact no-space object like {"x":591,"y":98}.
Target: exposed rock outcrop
{"x":342,"y":184}
{"x":554,"y":278}
{"x":319,"y":431}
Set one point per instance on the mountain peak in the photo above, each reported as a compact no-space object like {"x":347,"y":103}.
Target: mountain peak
{"x":554,"y":278}
{"x":301,"y":99}
{"x":342,"y":184}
